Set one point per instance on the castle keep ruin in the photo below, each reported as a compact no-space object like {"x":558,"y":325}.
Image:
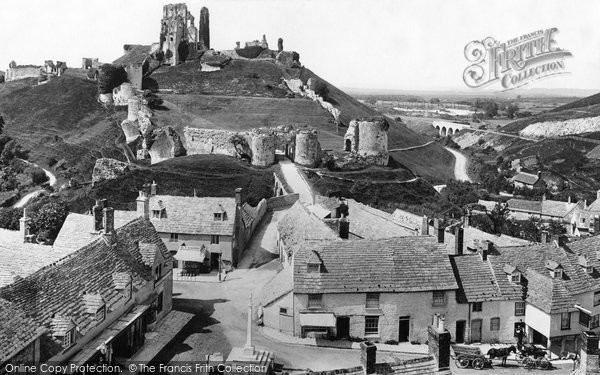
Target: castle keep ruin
{"x":367,"y":137}
{"x":204,"y":30}
{"x":177,"y":34}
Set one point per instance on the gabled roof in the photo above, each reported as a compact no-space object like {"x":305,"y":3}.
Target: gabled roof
{"x":526,"y":178}
{"x":194,"y":215}
{"x":525,"y":205}
{"x":594,"y":154}
{"x":280,"y":285}
{"x":299,"y":225}
{"x":121,"y":280}
{"x":548,"y":294}
{"x":21,"y":259}
{"x":60,"y":325}
{"x":57,"y":290}
{"x":17,"y":330}
{"x":402,"y":264}
{"x":93,"y":302}
{"x":476,"y":279}
{"x":557,"y":208}
{"x":371,"y":223}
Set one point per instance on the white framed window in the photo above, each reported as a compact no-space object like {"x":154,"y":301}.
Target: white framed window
{"x":68,"y":339}
{"x":372,"y":300}
{"x":520,"y":308}
{"x":214,"y":239}
{"x":516,"y":278}
{"x":371,"y":325}
{"x":315,"y":301}
{"x":495,"y":324}
{"x":218,"y":216}
{"x":439,"y":298}
{"x":595,"y":321}
{"x":477,"y":306}
{"x":565,"y":321}
{"x":313,"y":267}
{"x":174,"y":237}
{"x":156,"y":214}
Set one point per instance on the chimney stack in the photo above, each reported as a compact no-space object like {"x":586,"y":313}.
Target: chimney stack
{"x":459,"y":235}
{"x":344,"y":228}
{"x":97,"y":212}
{"x":569,"y":199}
{"x":588,"y":363}
{"x":467,"y":219}
{"x":561,"y":240}
{"x":108,"y":220}
{"x":24,"y":225}
{"x":539,"y":174}
{"x":368,"y":356}
{"x":238,"y":197}
{"x":596,"y":225}
{"x":486,"y":249}
{"x":153,"y":188}
{"x":425,"y":226}
{"x":143,"y":205}
{"x":439,"y":230}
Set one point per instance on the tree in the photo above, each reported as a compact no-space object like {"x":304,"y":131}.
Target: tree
{"x":498,"y":216}
{"x":109,"y":77}
{"x":49,"y":218}
{"x":512,"y":110}
{"x":321,"y":89}
{"x":12,"y":150}
{"x":9,"y":218}
{"x":491,"y":109}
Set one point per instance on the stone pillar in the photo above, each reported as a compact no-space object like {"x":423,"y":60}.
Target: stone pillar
{"x":588,"y":363}
{"x":204,"y":29}
{"x":143,"y":205}
{"x":248,"y":348}
{"x":368,"y":356}
{"x":439,"y":344}
{"x":280,"y":45}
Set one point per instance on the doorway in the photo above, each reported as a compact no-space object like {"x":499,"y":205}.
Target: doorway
{"x":460,"y":331}
{"x":348,"y":145}
{"x":214,"y":260}
{"x":342,"y":326}
{"x":404,"y":329}
{"x":476,"y":330}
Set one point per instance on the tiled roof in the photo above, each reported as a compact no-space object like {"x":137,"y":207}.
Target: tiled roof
{"x":371,"y":223}
{"x":594,"y":206}
{"x":280,"y":285}
{"x":548,"y":294}
{"x":148,"y":253}
{"x":557,"y":208}
{"x":299,"y":225}
{"x":136,"y":54}
{"x":16,"y":330}
{"x":21,"y":259}
{"x":194,"y":215}
{"x":78,"y":229}
{"x":404,"y":264}
{"x":93,"y":302}
{"x":476,"y":279}
{"x":525,"y":178}
{"x":57,"y":290}
{"x":525,"y":205}
{"x":121,"y":280}
{"x":472,"y":235}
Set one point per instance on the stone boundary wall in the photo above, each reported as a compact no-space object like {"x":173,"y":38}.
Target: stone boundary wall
{"x":258,"y":213}
{"x":282,"y":201}
{"x":22,"y":72}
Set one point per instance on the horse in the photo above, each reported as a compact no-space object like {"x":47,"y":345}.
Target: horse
{"x":501,"y":353}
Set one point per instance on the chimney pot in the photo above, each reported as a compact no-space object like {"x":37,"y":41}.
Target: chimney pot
{"x":109,"y":220}
{"x":368,"y":356}
{"x":97,"y":213}
{"x":439,"y":230}
{"x":143,"y":205}
{"x":153,"y":188}
{"x":425,"y":226}
{"x":344,"y":228}
{"x":238,"y":197}
{"x":459,"y":241}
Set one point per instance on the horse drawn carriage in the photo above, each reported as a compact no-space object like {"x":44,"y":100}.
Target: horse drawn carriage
{"x":530,"y":356}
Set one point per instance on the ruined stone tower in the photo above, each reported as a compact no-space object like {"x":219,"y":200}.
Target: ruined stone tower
{"x":263,"y":150}
{"x":175,"y":24}
{"x":308,"y":149}
{"x":204,"y":30}
{"x":368,"y":137}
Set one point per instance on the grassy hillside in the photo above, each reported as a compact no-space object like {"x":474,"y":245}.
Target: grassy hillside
{"x":60,"y":119}
{"x":585,"y":102}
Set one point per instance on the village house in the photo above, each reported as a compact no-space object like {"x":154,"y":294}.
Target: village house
{"x":528,"y":180}
{"x":220,"y":225}
{"x":93,"y":306}
{"x":585,"y":219}
{"x":386,"y":289}
{"x":545,"y":209}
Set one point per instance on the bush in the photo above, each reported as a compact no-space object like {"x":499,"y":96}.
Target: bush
{"x":109,"y":77}
{"x":48,"y":220}
{"x":321,"y":89}
{"x":9,"y":218}
{"x":38,"y":176}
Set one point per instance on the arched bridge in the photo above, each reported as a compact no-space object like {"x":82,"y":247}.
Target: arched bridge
{"x":449,"y":128}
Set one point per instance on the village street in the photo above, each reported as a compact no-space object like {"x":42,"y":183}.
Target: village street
{"x":220,"y":316}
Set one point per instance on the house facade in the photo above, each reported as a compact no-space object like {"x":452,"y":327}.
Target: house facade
{"x":94,"y":306}
{"x":528,"y":180}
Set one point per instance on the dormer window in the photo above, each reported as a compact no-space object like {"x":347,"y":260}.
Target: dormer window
{"x":218,"y":216}
{"x":127,"y":292}
{"x":556,"y":270}
{"x":314,"y":263}
{"x":516,"y":277}
{"x":69,"y":338}
{"x":557,"y":273}
{"x":156,"y":214}
{"x":101,"y":314}
{"x":313,"y":268}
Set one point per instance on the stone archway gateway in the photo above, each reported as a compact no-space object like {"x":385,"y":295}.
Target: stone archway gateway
{"x":449,"y":128}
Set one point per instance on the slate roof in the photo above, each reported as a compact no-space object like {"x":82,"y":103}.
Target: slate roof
{"x":16,"y":330}
{"x":403,"y":264}
{"x":525,"y":205}
{"x":280,"y":285}
{"x":78,"y":229}
{"x":21,"y":259}
{"x":299,"y":225}
{"x":58,"y":290}
{"x":476,"y":279}
{"x":371,"y":223}
{"x":194,"y":215}
{"x":472,"y":235}
{"x":526,"y":178}
{"x":548,"y":294}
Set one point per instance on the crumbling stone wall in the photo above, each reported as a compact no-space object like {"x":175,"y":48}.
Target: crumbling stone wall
{"x":88,"y":62}
{"x":175,"y":26}
{"x":351,"y":137}
{"x":108,"y":169}
{"x":209,"y":141}
{"x":296,"y":86}
{"x":288,"y":59}
{"x":133,"y":107}
{"x":308,"y":149}
{"x":372,"y":135}
{"x":166,"y":144}
{"x":263,"y":150}
{"x":123,"y":93}
{"x":17,"y":72}
{"x":135,"y":75}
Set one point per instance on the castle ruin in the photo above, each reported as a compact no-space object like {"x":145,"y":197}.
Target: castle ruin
{"x":177,"y":34}
{"x":368,"y":137}
{"x":204,"y":30}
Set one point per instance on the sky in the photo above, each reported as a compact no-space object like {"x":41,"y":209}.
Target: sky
{"x":377,"y":44}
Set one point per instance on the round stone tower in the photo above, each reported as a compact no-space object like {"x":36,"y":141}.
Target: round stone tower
{"x":133,"y":106}
{"x":308,"y":149}
{"x":372,"y":136}
{"x":263,"y":150}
